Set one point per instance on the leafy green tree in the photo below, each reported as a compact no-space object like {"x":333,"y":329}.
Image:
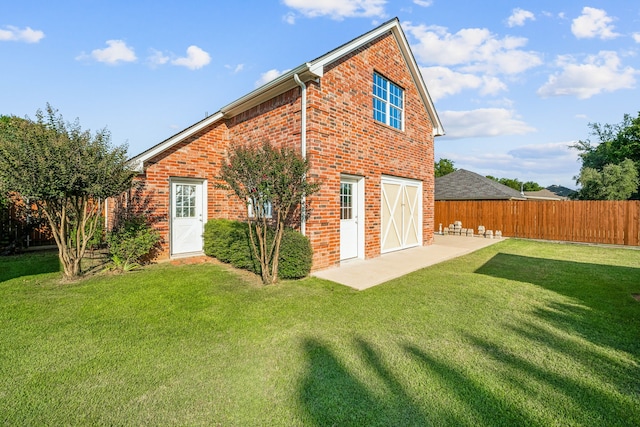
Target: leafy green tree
{"x":273,"y":183}
{"x":614,"y":143}
{"x":66,"y":172}
{"x":516,"y":184}
{"x":532,"y":186}
{"x":443,"y":167}
{"x":614,"y":182}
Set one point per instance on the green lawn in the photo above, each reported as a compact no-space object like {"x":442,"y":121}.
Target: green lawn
{"x":520,"y":333}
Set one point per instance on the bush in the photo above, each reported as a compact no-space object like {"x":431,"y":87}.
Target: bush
{"x":229,"y":242}
{"x":296,"y":255}
{"x":131,"y":242}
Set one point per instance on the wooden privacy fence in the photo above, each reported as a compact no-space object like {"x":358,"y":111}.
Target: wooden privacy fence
{"x":610,"y":222}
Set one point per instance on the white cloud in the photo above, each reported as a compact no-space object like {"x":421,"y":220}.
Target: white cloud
{"x":338,"y":9}
{"x":423,"y":3}
{"x":289,"y":18}
{"x":473,"y":49}
{"x":599,"y":73}
{"x":157,"y":58}
{"x":116,"y":52}
{"x":636,"y":37}
{"x":27,"y":35}
{"x":235,"y":69}
{"x":443,"y":82}
{"x":483,"y":122}
{"x":196,"y":58}
{"x":268,"y":76}
{"x":519,"y":16}
{"x":593,"y":23}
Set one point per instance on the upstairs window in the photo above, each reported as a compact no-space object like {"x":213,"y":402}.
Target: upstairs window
{"x":388,"y":102}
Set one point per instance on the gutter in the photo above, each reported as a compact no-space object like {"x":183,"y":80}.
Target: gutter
{"x":303,"y":144}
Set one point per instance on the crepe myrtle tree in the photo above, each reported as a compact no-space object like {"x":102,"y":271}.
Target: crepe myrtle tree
{"x":67,"y":172}
{"x":273,"y":183}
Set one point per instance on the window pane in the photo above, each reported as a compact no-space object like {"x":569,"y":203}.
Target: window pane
{"x":379,"y":110}
{"x":395,"y":119}
{"x":387,"y":102}
{"x":346,"y":200}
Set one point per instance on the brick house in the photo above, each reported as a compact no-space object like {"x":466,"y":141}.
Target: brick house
{"x":362,"y":116}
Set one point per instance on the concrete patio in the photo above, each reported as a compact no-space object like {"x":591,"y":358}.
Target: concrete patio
{"x":363,"y":274}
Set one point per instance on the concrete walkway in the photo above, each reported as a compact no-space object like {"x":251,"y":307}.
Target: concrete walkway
{"x":362,"y":274}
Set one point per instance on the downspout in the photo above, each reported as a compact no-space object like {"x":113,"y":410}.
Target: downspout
{"x":303,"y":143}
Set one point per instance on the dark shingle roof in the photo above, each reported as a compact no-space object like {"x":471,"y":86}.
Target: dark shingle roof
{"x":466,"y":185}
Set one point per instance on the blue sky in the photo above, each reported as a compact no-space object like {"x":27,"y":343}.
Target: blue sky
{"x":514,"y":82}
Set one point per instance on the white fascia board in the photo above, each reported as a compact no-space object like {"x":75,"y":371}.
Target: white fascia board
{"x":138,"y":161}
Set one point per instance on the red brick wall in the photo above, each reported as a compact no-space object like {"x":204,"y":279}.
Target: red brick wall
{"x":342,"y":138}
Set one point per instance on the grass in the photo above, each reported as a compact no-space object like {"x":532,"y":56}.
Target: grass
{"x":520,"y":333}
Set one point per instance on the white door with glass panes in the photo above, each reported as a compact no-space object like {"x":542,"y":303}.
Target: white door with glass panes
{"x":349,"y":218}
{"x":187,"y":222}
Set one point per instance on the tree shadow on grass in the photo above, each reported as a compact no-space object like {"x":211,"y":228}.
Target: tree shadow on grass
{"x":580,"y":400}
{"x":331,"y":395}
{"x":604,"y":311}
{"x":483,"y":407}
{"x":28,"y":264}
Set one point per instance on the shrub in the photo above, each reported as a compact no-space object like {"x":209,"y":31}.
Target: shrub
{"x":296,"y":255}
{"x":131,"y":242}
{"x":228,"y":241}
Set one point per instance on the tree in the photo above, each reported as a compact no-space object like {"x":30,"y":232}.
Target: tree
{"x":614,"y":182}
{"x":272,"y":183}
{"x":615,"y":143}
{"x":443,"y":167}
{"x":66,"y":172}
{"x":516,"y":184}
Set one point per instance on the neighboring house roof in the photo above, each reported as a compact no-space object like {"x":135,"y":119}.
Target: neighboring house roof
{"x":466,"y":185}
{"x":308,"y":71}
{"x":559,"y":190}
{"x":543,"y":194}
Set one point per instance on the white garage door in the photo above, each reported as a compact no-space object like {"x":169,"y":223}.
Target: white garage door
{"x":401,"y":214}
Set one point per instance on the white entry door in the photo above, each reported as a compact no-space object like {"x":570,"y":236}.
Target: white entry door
{"x":401,"y":214}
{"x":349,"y":213}
{"x":187,"y":222}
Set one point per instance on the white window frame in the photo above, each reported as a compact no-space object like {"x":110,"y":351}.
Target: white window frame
{"x":381,"y":95}
{"x":268,"y":209}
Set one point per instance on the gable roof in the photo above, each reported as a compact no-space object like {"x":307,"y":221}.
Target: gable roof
{"x":466,"y":185}
{"x":308,"y":71}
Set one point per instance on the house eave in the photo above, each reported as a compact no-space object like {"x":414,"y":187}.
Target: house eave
{"x":275,"y":87}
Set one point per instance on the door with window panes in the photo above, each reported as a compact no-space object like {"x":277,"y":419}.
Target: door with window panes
{"x":348,"y":218}
{"x":187,"y":222}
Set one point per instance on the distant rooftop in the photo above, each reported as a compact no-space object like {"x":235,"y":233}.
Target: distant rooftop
{"x":466,"y":185}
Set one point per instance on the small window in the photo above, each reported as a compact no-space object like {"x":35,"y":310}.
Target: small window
{"x":268,"y":209}
{"x":388,"y":102}
{"x":346,"y":200}
{"x":185,"y":201}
